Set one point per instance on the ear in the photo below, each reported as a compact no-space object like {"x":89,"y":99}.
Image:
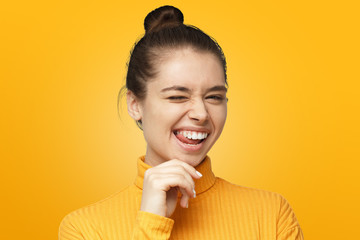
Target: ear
{"x":133,"y":106}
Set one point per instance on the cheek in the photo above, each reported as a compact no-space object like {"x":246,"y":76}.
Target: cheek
{"x":219,"y":117}
{"x":168,"y":111}
{"x":160,"y":116}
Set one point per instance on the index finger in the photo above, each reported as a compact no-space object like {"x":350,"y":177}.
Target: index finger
{"x":190,"y":169}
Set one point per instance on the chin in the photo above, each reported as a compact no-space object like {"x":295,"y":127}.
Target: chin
{"x":192,"y":160}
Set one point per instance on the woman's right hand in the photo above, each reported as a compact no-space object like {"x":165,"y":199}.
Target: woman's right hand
{"x":161,"y":186}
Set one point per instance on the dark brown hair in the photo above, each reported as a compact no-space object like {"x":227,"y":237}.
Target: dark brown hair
{"x":164,"y":31}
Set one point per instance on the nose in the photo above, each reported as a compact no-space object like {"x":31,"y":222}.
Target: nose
{"x":198,"y":112}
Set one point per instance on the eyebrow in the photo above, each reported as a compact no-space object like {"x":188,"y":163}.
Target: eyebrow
{"x":176,"y":88}
{"x":217,"y":88}
{"x":184,"y":89}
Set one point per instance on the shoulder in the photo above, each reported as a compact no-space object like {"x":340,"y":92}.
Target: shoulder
{"x":248,"y":192}
{"x":103,"y":205}
{"x":91,"y":216}
{"x":253,"y":198}
{"x":270,"y":205}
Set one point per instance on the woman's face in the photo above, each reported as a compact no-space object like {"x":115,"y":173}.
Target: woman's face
{"x":185,"y":107}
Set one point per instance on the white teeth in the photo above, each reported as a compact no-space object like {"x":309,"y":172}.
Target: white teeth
{"x":193,"y":135}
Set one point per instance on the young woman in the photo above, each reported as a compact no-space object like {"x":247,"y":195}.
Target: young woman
{"x":176,"y":92}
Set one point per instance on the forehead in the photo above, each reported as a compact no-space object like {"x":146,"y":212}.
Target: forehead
{"x":186,"y":67}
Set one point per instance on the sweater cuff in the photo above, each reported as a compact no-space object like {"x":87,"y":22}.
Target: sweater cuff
{"x":152,"y":226}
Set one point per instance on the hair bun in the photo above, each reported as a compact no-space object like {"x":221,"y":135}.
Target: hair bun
{"x":163,"y":17}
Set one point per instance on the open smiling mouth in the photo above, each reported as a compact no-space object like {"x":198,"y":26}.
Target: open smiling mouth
{"x":191,"y":138}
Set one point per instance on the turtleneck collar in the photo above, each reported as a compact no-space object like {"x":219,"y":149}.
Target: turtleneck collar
{"x":201,"y":185}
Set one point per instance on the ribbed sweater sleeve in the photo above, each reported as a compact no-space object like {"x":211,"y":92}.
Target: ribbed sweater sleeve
{"x":288,"y":227}
{"x":69,"y":230}
{"x":152,"y":226}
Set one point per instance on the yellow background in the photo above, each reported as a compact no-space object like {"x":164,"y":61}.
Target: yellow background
{"x":292,"y":127}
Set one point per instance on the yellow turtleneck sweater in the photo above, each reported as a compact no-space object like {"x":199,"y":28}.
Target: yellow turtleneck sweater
{"x":221,"y":210}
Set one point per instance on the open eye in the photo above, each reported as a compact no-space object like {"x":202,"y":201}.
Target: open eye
{"x":216,"y":98}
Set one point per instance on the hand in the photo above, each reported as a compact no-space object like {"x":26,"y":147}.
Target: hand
{"x":161,"y":186}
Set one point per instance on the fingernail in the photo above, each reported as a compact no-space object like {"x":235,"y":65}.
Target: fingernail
{"x":194,"y":193}
{"x":199,"y":174}
{"x":187,"y":205}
